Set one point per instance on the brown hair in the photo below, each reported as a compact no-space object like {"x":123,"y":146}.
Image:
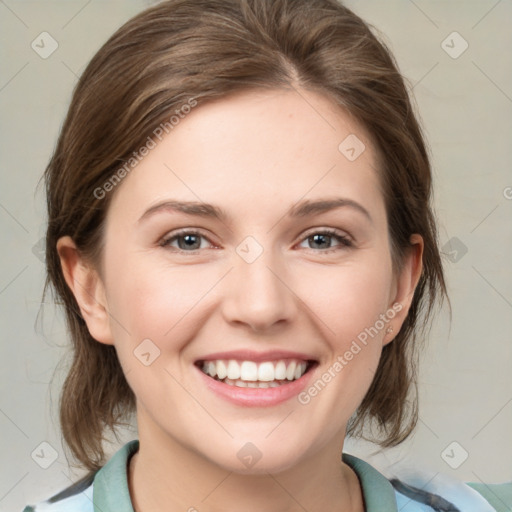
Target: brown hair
{"x":206,"y":49}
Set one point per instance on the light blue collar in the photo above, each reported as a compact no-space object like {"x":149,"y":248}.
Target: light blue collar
{"x":111,"y":493}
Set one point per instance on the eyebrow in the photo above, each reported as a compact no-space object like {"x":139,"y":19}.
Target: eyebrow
{"x":301,"y":209}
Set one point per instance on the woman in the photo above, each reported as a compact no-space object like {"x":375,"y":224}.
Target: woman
{"x":241,"y":232}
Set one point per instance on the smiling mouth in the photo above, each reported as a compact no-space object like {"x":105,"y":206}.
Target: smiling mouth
{"x":250,"y":374}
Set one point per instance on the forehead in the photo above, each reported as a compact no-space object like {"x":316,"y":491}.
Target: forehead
{"x":257,"y":150}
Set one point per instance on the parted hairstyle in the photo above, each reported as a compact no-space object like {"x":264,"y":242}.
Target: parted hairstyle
{"x":202,"y":50}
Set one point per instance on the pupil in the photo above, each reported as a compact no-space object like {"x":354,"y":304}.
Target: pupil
{"x":321,"y":237}
{"x":190,"y":240}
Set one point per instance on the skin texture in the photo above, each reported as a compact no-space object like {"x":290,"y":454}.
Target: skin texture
{"x":255,"y":155}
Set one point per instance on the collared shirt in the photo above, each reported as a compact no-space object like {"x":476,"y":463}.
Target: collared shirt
{"x":107,"y":491}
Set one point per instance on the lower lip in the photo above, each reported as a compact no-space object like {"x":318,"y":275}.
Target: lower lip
{"x":256,"y":397}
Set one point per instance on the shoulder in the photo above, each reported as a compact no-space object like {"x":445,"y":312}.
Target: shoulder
{"x":416,"y":490}
{"x":498,"y":495}
{"x":105,"y":489}
{"x":76,"y":498}
{"x":444,"y":495}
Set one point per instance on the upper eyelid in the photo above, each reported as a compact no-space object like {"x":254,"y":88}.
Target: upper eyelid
{"x":176,"y":234}
{"x":330,"y":231}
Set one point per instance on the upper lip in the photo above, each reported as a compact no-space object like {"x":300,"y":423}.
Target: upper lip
{"x":252,"y":355}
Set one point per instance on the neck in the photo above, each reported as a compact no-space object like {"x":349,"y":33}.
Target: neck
{"x":165,"y":475}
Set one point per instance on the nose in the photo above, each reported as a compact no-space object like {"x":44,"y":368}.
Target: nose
{"x":259,"y":294}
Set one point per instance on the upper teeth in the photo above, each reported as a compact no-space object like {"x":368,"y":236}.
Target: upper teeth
{"x":252,"y":371}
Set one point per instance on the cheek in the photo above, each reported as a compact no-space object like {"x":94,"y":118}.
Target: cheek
{"x":349,"y":302}
{"x":156,"y":303}
{"x":154,"y":317}
{"x":347,"y":299}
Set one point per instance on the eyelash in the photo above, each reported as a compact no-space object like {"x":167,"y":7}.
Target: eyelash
{"x":345,"y":241}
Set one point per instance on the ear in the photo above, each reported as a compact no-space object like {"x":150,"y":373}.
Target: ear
{"x":405,"y":284}
{"x":88,"y":289}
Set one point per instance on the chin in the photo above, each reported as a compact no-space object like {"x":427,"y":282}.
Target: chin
{"x":254,"y":459}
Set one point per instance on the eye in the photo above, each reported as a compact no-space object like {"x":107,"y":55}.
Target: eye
{"x":188,"y":241}
{"x":323,"y":239}
{"x":191,"y":241}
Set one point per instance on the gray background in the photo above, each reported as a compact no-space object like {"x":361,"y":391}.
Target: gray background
{"x":465,"y":103}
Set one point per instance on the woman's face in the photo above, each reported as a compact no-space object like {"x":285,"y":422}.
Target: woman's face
{"x":267,"y":279}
